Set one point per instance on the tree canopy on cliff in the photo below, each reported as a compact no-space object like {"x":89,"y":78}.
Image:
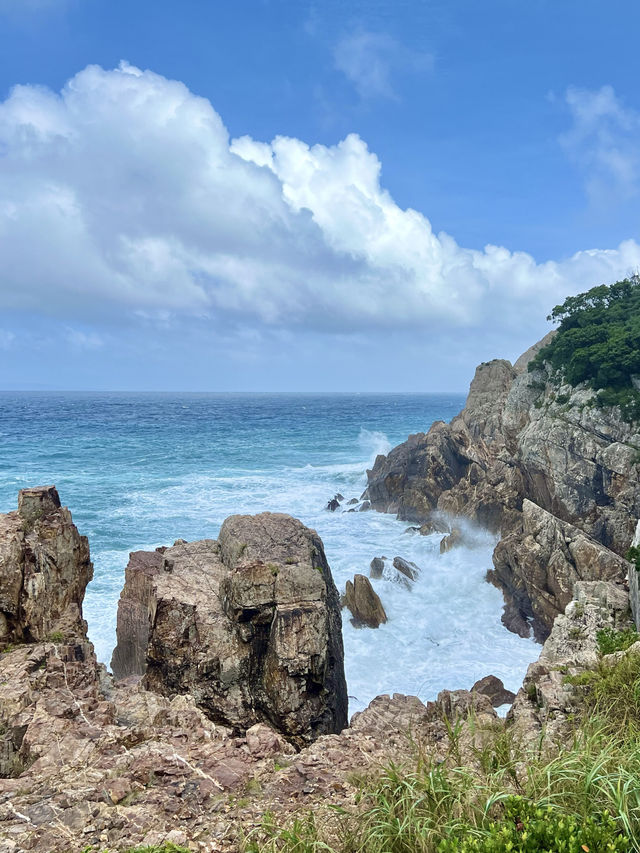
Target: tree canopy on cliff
{"x":598,"y":342}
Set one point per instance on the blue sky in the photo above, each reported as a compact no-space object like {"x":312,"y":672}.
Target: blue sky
{"x":298,"y":196}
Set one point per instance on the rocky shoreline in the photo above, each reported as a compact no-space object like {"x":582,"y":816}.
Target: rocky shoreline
{"x":228,"y":698}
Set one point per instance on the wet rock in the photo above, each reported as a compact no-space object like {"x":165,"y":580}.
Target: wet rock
{"x":248,"y":625}
{"x":353,"y":502}
{"x":364,"y":603}
{"x":333,"y":504}
{"x":406,"y":568}
{"x":434,"y":525}
{"x":454,"y":540}
{"x":377,"y":567}
{"x":364,"y":506}
{"x":493,"y":688}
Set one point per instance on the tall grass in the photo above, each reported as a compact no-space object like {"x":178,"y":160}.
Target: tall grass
{"x":586,"y":797}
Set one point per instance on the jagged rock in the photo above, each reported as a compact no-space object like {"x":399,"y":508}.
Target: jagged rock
{"x":353,"y":502}
{"x":248,"y":625}
{"x":411,"y":530}
{"x":44,"y":569}
{"x":434,"y":525}
{"x":522,"y":363}
{"x":377,"y":567}
{"x":364,"y":603}
{"x":333,"y":504}
{"x":454,"y":540}
{"x":406,"y":568}
{"x":519,"y":436}
{"x":364,"y":506}
{"x":493,"y":688}
{"x":547,"y":702}
{"x":538,"y":565}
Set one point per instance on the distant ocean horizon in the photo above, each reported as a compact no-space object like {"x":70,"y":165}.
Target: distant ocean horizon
{"x":141,"y":469}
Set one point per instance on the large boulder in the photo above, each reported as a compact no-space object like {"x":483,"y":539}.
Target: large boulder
{"x":44,"y":569}
{"x":364,"y":603}
{"x":248,"y":625}
{"x":538,"y":565}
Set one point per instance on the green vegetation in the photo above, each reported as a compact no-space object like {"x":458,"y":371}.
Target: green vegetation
{"x":55,"y":637}
{"x":610,"y":640}
{"x":633,"y":555}
{"x":598,"y":342}
{"x":502,"y":800}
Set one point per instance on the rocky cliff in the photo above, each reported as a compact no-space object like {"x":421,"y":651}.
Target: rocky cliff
{"x":89,"y":762}
{"x":521,"y":437}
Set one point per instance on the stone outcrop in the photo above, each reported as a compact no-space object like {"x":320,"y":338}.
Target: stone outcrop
{"x":521,"y":437}
{"x":493,"y":688}
{"x":89,"y":762}
{"x":364,"y":603}
{"x":547,"y":703}
{"x":44,"y":569}
{"x":249,"y":626}
{"x":538,"y":565}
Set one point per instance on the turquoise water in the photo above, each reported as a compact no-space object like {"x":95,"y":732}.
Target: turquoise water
{"x":141,"y":470}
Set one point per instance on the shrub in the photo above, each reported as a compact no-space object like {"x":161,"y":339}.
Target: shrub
{"x":610,"y":640}
{"x":529,"y":828}
{"x":598,"y":342}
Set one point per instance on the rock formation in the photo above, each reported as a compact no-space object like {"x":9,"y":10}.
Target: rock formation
{"x":44,"y":569}
{"x":493,"y":688}
{"x":364,"y":603}
{"x":520,"y":437}
{"x":249,"y":626}
{"x":547,"y":702}
{"x":538,"y":565}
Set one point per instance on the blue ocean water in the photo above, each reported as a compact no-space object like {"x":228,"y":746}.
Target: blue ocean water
{"x":141,"y":470}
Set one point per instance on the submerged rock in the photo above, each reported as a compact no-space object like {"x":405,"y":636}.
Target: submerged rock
{"x":248,"y":625}
{"x":364,"y":603}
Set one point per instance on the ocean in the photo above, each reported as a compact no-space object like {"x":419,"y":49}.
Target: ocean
{"x":141,"y":470}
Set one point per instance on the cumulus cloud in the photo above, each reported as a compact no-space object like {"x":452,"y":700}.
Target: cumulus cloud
{"x":603,"y":140}
{"x":367,"y":59}
{"x":123,"y":196}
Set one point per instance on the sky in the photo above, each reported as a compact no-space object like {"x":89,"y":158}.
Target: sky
{"x":283,"y":195}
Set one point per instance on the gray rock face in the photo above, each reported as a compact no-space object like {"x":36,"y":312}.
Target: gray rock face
{"x":364,"y":603}
{"x":544,"y":707}
{"x":249,"y":626}
{"x":44,"y":569}
{"x":538,"y":565}
{"x":520,"y":437}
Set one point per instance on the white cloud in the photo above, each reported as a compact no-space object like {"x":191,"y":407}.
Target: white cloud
{"x":367,"y":59}
{"x":123,"y":196}
{"x":604,"y":141}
